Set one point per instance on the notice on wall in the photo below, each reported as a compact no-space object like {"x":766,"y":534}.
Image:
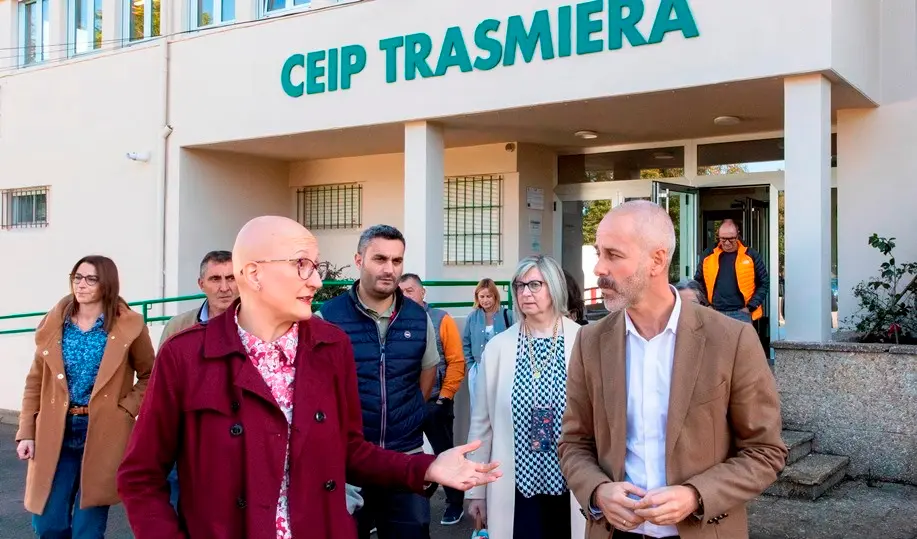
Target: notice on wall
{"x":535,"y":233}
{"x":534,"y":198}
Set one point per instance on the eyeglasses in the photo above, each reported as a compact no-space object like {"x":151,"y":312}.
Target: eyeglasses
{"x":91,"y":280}
{"x":304,"y":266}
{"x":728,"y":240}
{"x":533,"y":286}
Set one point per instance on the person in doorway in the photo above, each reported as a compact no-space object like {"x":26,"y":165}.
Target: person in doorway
{"x":673,"y":420}
{"x":394,"y":343}
{"x":259,"y":407}
{"x":218,"y":283}
{"x":440,"y":420}
{"x":521,"y":395}
{"x":733,"y":276}
{"x":487,"y":319}
{"x":80,"y":402}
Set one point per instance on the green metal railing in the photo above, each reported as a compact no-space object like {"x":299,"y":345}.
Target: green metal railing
{"x":147,"y":305}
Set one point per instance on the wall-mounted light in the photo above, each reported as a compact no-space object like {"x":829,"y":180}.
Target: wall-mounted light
{"x":139,"y":156}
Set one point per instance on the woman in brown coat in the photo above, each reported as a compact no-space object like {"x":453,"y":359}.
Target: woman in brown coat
{"x":80,"y":402}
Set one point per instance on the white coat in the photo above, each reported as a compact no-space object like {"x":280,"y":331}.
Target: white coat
{"x":492,"y":423}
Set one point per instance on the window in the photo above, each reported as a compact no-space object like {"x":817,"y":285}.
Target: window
{"x":272,"y":6}
{"x":85,"y":26}
{"x":326,"y":207}
{"x":209,"y":12}
{"x":141,"y":19}
{"x":473,"y":227}
{"x":24,"y":208}
{"x":34,"y":31}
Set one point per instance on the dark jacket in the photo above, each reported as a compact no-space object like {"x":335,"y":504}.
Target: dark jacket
{"x":388,"y":373}
{"x":208,"y":408}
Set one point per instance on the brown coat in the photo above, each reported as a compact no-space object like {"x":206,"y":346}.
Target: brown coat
{"x":723,"y":430}
{"x":114,"y":404}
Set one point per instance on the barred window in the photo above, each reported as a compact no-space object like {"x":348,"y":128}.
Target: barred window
{"x":473,"y":227}
{"x":325,"y":207}
{"x":24,"y":208}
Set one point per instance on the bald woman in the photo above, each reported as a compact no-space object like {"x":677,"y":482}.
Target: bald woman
{"x":259,"y":408}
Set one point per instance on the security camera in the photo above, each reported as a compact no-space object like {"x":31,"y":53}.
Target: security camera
{"x":138,"y":156}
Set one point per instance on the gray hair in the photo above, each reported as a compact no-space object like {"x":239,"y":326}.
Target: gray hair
{"x":652,"y":225}
{"x":554,"y":280}
{"x":693,"y":286}
{"x":385,"y":232}
{"x":217,"y":257}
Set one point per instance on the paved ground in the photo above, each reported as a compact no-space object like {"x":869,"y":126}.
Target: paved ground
{"x":853,"y":510}
{"x":15,"y":521}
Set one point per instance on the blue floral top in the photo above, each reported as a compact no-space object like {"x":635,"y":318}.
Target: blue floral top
{"x":82,"y":353}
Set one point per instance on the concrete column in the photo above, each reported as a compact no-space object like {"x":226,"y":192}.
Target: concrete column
{"x":113,"y":24}
{"x":423,"y":199}
{"x":807,"y":125}
{"x":691,"y":163}
{"x":9,"y":30}
{"x":59,"y":21}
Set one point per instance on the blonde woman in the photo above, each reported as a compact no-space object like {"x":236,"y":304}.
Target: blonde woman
{"x":520,"y":397}
{"x":486,"y":320}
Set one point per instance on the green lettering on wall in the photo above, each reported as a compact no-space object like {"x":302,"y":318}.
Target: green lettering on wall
{"x":517,"y":36}
{"x":664,"y":23}
{"x":417,"y":48}
{"x":488,"y":44}
{"x":314,"y":72}
{"x":354,"y":57}
{"x":585,"y":27}
{"x":621,"y":26}
{"x":390,"y":46}
{"x":286,"y":74}
{"x":333,"y":70}
{"x":453,"y":53}
{"x":564,"y":31}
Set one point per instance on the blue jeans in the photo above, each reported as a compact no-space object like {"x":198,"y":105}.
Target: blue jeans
{"x":396,"y":514}
{"x":741,"y":316}
{"x":62,"y":517}
{"x":173,"y":487}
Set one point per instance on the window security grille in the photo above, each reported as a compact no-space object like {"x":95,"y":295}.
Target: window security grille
{"x":24,"y":208}
{"x":327,"y":207}
{"x":473,"y":214}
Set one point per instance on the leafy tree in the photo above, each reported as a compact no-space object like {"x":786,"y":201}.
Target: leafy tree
{"x":329,"y":272}
{"x":137,"y":16}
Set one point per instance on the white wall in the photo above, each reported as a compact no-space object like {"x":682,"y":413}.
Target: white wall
{"x":783,"y":37}
{"x":220,"y":192}
{"x":855,"y":41}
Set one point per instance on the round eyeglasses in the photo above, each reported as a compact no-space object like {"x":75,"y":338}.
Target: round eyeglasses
{"x":304,"y":266}
{"x":533,"y":286}
{"x":91,"y":280}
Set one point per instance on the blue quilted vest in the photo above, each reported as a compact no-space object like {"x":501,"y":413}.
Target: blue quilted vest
{"x":388,"y":375}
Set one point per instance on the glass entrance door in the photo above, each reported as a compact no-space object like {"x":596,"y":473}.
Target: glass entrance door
{"x":681,"y":203}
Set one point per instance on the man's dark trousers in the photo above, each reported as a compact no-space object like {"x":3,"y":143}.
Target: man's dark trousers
{"x":396,"y":514}
{"x":439,"y":430}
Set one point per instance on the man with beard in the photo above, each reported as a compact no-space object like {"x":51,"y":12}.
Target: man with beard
{"x":673,"y":421}
{"x":394,"y":344}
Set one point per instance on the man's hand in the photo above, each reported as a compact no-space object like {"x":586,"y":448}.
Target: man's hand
{"x":26,"y":449}
{"x":667,"y":506}
{"x":618,"y":508}
{"x":452,"y":469}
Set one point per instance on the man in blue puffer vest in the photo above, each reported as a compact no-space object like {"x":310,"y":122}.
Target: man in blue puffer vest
{"x":394,"y":345}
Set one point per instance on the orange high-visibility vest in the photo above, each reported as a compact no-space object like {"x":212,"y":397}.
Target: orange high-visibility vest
{"x":745,"y":275}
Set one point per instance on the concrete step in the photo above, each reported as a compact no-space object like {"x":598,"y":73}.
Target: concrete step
{"x":811,"y":477}
{"x":799,"y":444}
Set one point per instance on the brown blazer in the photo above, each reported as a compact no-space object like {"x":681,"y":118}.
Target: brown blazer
{"x":114,"y":404}
{"x":724,"y":429}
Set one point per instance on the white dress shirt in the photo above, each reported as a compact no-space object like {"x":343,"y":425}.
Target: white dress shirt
{"x":649,"y":378}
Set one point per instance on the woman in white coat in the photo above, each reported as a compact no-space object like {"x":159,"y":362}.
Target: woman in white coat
{"x":520,"y":397}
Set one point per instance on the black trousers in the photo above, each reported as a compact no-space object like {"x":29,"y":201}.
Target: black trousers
{"x":439,"y":430}
{"x":542,"y":516}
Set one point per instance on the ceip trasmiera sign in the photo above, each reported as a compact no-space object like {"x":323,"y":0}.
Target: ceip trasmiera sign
{"x":583,"y":28}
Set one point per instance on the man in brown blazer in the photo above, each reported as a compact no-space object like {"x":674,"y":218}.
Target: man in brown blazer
{"x":673,"y":421}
